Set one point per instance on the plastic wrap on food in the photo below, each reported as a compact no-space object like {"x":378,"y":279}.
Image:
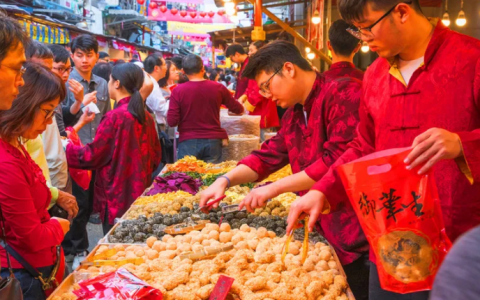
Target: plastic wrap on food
{"x":240,"y":124}
{"x":240,"y":146}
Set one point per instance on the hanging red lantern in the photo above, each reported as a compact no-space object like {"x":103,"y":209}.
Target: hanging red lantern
{"x":164,"y":9}
{"x":183,"y":13}
{"x":211,"y":14}
{"x":221,"y":12}
{"x":203,"y":14}
{"x":193,"y":14}
{"x":141,"y":2}
{"x":174,"y":11}
{"x":153,"y":5}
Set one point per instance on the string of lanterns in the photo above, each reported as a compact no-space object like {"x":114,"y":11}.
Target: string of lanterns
{"x":461,"y":19}
{"x":157,"y":9}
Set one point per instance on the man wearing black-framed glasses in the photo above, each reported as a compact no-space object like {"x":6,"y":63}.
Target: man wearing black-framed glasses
{"x":13,"y":41}
{"x":423,"y":92}
{"x":319,"y":123}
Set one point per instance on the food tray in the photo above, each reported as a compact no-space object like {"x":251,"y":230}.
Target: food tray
{"x":63,"y":288}
{"x":342,"y":272}
{"x":124,"y":217}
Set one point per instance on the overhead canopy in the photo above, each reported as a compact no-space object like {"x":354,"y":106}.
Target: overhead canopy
{"x":423,"y":3}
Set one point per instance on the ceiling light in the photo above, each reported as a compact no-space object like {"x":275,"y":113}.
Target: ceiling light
{"x":365,"y":47}
{"x":316,"y":18}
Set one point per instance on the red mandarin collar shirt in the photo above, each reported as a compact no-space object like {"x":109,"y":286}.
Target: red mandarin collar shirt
{"x":125,"y":154}
{"x":319,"y":133}
{"x":24,"y":198}
{"x":443,"y":93}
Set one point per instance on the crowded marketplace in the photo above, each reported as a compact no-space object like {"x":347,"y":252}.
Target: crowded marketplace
{"x":240,"y":149}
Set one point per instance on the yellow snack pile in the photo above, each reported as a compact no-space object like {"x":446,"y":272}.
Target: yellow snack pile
{"x":161,"y":198}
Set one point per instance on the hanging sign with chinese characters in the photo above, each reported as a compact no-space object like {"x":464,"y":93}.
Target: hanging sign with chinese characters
{"x":399,"y":211}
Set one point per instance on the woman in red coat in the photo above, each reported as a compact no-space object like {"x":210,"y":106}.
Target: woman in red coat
{"x":125,"y":151}
{"x":24,"y":195}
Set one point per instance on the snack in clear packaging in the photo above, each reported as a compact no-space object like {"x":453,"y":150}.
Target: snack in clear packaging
{"x":207,"y":252}
{"x":231,"y":208}
{"x":119,"y":285}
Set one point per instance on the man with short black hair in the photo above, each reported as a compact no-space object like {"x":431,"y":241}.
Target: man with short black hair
{"x":39,"y":53}
{"x":247,"y":92}
{"x":319,"y":123}
{"x":85,"y":90}
{"x":422,"y":92}
{"x":103,"y":57}
{"x":195,"y":109}
{"x":135,"y":58}
{"x":343,"y":47}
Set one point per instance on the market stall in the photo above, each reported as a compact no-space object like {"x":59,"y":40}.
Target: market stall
{"x":174,"y":249}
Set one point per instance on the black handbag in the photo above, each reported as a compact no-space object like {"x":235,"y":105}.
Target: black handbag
{"x":10,"y":288}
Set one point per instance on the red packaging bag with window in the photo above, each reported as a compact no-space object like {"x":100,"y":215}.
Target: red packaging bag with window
{"x":117,"y":285}
{"x":400,"y":214}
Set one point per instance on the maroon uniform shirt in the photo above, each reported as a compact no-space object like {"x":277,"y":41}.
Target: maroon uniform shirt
{"x":195,"y":108}
{"x":125,"y":154}
{"x":319,"y":131}
{"x":443,"y":93}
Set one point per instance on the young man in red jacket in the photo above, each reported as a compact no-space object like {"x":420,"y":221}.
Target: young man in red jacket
{"x":424,"y":92}
{"x":319,"y":123}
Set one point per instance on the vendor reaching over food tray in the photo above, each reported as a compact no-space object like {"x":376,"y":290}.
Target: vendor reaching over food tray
{"x":321,"y":120}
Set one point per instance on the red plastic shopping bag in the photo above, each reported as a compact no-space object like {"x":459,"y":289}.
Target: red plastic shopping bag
{"x":118,"y":285}
{"x":400,"y":214}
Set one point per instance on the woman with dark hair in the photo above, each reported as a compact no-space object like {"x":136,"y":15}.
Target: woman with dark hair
{"x":24,"y":194}
{"x":214,"y":76}
{"x":125,"y":151}
{"x":253,"y":48}
{"x":104,"y":70}
{"x":168,"y":83}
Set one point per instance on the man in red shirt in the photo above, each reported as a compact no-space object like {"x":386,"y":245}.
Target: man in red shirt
{"x":195,"y":109}
{"x":319,"y":123}
{"x":247,"y":92}
{"x":424,"y":92}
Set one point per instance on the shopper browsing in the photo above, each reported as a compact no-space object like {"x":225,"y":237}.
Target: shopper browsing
{"x":24,"y":195}
{"x":125,"y":151}
{"x":195,"y":108}
{"x":84,"y":90}
{"x":13,"y":41}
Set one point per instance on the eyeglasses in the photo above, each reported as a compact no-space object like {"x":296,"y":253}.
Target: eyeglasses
{"x":19,"y":72}
{"x":365,"y":33}
{"x":48,"y":113}
{"x":265,"y":87}
{"x":63,"y":70}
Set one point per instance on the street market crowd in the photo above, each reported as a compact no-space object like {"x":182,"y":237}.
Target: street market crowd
{"x":82,"y":137}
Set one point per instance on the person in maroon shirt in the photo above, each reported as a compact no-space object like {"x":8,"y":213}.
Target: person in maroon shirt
{"x":24,"y":194}
{"x":125,"y":151}
{"x":423,"y":92}
{"x":195,"y":109}
{"x":319,"y":123}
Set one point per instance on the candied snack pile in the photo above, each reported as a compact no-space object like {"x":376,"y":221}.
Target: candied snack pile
{"x":161,"y":198}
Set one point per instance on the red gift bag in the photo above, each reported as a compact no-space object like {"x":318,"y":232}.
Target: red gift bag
{"x":400,"y":214}
{"x":117,"y":285}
